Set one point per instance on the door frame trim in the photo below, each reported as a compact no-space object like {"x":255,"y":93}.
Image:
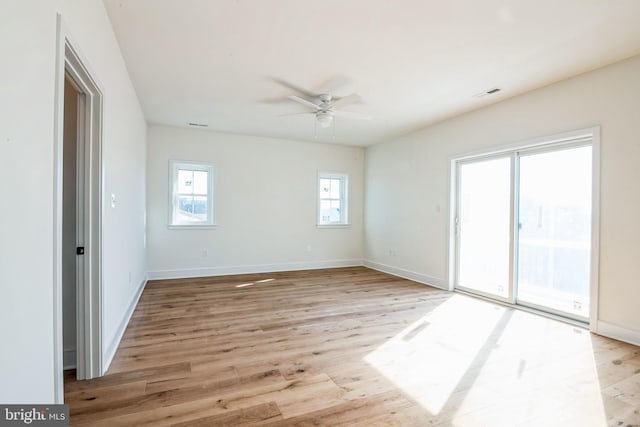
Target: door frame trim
{"x":71,"y":63}
{"x":591,"y":134}
{"x":506,"y":155}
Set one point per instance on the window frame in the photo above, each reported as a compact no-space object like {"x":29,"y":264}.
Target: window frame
{"x":344,"y":200}
{"x":174,"y":166}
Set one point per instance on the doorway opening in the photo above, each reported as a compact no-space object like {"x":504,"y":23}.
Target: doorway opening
{"x":525,"y":225}
{"x":77,"y":218}
{"x":69,"y":224}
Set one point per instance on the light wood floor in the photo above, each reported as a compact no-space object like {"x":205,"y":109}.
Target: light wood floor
{"x":351,"y":347}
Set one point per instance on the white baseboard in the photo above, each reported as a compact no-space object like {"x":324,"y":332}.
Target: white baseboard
{"x":69,"y":359}
{"x":111,"y":349}
{"x":248,"y":269}
{"x":617,"y":332}
{"x":407,"y":274}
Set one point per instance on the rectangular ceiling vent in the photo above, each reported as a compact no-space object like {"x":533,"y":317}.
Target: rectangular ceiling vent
{"x":487,"y":92}
{"x":200,"y":125}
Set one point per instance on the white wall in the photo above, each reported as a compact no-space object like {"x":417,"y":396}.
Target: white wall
{"x":407,"y":181}
{"x":28,"y":38}
{"x":265,"y":205}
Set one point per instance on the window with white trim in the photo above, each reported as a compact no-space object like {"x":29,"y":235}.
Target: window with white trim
{"x":191,"y":190}
{"x":332,"y":198}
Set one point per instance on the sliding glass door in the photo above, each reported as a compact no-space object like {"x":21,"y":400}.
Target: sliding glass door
{"x":554,"y":239}
{"x":523,"y":227}
{"x":484,"y":226}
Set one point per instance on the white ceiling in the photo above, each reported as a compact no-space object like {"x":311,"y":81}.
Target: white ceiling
{"x":414,"y":62}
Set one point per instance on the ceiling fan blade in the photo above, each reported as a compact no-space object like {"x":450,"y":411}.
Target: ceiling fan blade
{"x":333,"y":84}
{"x":351,"y":115}
{"x":293,"y":87}
{"x":297,"y":114}
{"x":347,"y":100}
{"x":303,"y":102}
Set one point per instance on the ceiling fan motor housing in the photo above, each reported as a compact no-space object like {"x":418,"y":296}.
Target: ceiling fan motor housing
{"x":325,"y":98}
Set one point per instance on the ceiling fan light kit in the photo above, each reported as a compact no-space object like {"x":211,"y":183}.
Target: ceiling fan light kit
{"x":324,"y":105}
{"x":325,"y":118}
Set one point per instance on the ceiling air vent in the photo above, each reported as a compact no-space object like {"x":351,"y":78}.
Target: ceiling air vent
{"x":200,"y":125}
{"x":487,"y":92}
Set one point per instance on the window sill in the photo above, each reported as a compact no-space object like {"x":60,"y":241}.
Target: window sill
{"x":192,"y":227}
{"x":333,"y":225}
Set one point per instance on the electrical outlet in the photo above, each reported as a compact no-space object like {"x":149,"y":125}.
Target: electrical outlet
{"x":205,"y":252}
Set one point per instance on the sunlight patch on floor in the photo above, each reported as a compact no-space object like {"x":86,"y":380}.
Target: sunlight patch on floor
{"x":468,"y":362}
{"x":428,"y":358}
{"x":244,"y":285}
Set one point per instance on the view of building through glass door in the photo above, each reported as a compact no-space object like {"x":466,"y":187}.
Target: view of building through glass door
{"x":554,"y":239}
{"x":523,"y":228}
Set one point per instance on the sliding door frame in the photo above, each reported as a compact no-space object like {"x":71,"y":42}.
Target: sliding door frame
{"x":510,"y":299}
{"x":580,"y":142}
{"x":583,"y":137}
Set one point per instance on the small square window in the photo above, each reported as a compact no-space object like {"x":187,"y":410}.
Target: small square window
{"x":332,"y":199}
{"x":191,"y":189}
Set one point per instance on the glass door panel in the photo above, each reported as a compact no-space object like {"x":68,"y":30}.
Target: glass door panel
{"x":554,"y":238}
{"x":484,"y":227}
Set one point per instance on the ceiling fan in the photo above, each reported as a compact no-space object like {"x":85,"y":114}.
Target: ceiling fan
{"x":323,"y":104}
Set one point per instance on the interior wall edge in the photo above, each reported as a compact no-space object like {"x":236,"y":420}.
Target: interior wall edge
{"x":112,"y":347}
{"x":617,"y":332}
{"x":408,"y":274}
{"x":250,"y":269}
{"x":70,"y":359}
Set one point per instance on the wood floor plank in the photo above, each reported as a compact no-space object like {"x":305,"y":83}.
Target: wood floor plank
{"x":262,"y":383}
{"x":95,"y":398}
{"x":350,"y":347}
{"x":350,"y":411}
{"x":251,"y":416}
{"x":155,"y":373}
